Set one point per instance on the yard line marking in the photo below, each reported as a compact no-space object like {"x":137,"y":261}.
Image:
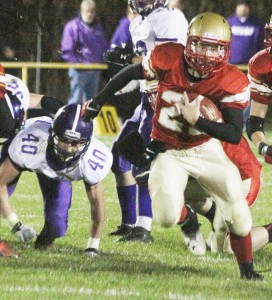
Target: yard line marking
{"x":87,"y":291}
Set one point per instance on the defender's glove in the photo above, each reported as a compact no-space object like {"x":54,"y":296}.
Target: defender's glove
{"x":118,"y":56}
{"x":90,"y":110}
{"x":143,"y":175}
{"x":91,"y":252}
{"x":266,"y":151}
{"x":23,"y":232}
{"x":133,"y":149}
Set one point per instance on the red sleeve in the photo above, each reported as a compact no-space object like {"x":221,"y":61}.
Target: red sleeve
{"x":2,"y":82}
{"x":260,"y":70}
{"x":163,"y":57}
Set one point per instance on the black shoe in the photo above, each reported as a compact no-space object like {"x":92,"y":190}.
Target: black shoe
{"x":43,"y":242}
{"x":137,"y":234}
{"x":122,"y":229}
{"x":247,"y":272}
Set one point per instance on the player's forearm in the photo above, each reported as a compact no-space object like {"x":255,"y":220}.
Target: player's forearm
{"x":230,"y":131}
{"x":120,"y":80}
{"x":47,"y":103}
{"x":96,"y":199}
{"x":5,"y":205}
{"x":257,"y":138}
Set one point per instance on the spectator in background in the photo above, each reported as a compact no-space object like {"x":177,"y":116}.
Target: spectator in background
{"x":9,"y":55}
{"x":84,"y":41}
{"x":247,"y":38}
{"x":121,"y":36}
{"x":247,"y":34}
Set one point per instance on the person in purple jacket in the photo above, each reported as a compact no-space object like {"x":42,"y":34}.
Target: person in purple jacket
{"x":247,"y":34}
{"x":84,"y":41}
{"x":121,"y":36}
{"x":247,"y":38}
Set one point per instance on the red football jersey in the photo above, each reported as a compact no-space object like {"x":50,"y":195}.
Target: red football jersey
{"x":260,"y":71}
{"x":248,"y":165}
{"x":226,"y":88}
{"x":2,"y":81}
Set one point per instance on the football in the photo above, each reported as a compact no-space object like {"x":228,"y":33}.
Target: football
{"x":208,"y":110}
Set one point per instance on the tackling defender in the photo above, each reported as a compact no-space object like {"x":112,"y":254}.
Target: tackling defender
{"x":191,"y":143}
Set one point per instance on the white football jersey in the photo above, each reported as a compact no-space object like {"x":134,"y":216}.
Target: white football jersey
{"x":28,"y":151}
{"x":161,"y":25}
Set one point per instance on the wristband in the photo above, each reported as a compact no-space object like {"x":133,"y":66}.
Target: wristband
{"x":262,"y":148}
{"x":12,"y":219}
{"x":93,"y":243}
{"x":51,"y":104}
{"x":16,"y":227}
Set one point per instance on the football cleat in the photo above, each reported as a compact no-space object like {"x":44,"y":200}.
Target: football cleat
{"x":137,"y":234}
{"x":247,"y":272}
{"x":191,"y":234}
{"x":91,"y":252}
{"x":252,"y":275}
{"x":195,"y":242}
{"x":122,"y":229}
{"x":43,"y":242}
{"x":5,"y":251}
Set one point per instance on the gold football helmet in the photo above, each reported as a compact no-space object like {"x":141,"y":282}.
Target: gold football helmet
{"x":268,"y":36}
{"x":208,"y":43}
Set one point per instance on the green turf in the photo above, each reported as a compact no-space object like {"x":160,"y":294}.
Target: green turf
{"x":163,"y":270}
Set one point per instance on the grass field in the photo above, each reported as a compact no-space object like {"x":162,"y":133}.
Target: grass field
{"x":162,"y":270}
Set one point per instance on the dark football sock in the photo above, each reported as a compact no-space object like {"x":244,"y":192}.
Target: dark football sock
{"x":127,"y":200}
{"x":210,"y":213}
{"x":144,"y":199}
{"x":268,"y":227}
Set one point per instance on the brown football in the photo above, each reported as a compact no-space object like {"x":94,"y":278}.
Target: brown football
{"x":208,"y":109}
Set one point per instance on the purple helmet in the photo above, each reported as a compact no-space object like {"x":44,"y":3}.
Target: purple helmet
{"x":17,"y":111}
{"x":144,"y":7}
{"x":68,"y":127}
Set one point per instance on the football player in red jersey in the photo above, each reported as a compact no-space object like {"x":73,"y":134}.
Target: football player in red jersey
{"x":260,"y":71}
{"x":250,"y":171}
{"x":191,"y":143}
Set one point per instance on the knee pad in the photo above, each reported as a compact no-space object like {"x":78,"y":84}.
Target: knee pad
{"x":56,"y":225}
{"x":238,"y":217}
{"x":164,"y":208}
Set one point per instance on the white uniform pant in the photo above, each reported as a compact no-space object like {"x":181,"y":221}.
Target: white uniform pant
{"x":210,"y":166}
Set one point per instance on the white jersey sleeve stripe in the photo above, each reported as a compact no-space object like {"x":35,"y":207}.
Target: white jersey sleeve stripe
{"x":242,"y":97}
{"x":260,"y":88}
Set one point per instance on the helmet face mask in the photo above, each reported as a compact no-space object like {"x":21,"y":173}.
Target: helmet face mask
{"x":208,"y":45}
{"x":69,"y":137}
{"x":67,"y":149}
{"x":268,"y":37}
{"x":145,"y":7}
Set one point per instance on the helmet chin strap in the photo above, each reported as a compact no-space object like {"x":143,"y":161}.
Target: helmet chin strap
{"x":196,"y":74}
